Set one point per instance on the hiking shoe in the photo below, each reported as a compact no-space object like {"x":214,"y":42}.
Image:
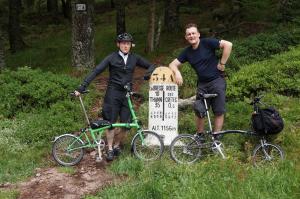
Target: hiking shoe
{"x":200,"y":137}
{"x":110,"y":155}
{"x":117,"y":151}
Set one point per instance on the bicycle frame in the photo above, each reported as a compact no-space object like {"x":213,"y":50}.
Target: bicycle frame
{"x":226,"y":131}
{"x":90,"y":143}
{"x":251,"y":133}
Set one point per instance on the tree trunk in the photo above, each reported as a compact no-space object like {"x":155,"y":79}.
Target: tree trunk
{"x":158,"y":32}
{"x":285,"y":10}
{"x":52,"y":6}
{"x":14,"y":30}
{"x":120,"y":20}
{"x":2,"y":60}
{"x":83,"y":34}
{"x":112,"y":4}
{"x":172,"y":15}
{"x":151,"y":27}
{"x":29,"y":4}
{"x":66,"y":9}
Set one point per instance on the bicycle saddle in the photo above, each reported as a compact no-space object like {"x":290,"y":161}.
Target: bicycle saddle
{"x":100,"y":123}
{"x":202,"y":95}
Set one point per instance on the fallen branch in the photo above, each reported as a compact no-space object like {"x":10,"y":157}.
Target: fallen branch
{"x":182,"y":103}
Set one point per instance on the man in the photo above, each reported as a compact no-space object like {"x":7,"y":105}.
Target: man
{"x":121,"y":66}
{"x":201,"y":56}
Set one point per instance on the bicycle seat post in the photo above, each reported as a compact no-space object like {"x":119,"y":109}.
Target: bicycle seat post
{"x":83,"y":108}
{"x":208,"y":116}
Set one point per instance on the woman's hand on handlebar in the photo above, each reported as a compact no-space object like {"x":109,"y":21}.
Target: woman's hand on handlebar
{"x":77,"y":93}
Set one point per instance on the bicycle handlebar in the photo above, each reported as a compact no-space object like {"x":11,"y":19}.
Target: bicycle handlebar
{"x":128,"y":87}
{"x":256,"y":100}
{"x":83,"y":92}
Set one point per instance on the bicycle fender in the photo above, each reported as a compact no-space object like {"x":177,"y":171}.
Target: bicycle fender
{"x":56,"y":137}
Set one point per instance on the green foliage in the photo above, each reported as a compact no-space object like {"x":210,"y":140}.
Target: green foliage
{"x":11,"y":194}
{"x":127,"y":165}
{"x":186,"y":123}
{"x":67,"y":170}
{"x":44,"y":110}
{"x":259,"y":10}
{"x":261,"y":46}
{"x":211,"y":179}
{"x":17,"y":166}
{"x":25,"y":90}
{"x":281,"y":74}
{"x":41,"y":127}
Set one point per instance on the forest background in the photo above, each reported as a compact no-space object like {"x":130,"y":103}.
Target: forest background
{"x":41,"y":62}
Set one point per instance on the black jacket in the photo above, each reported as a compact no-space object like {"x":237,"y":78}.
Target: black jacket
{"x":119,"y":73}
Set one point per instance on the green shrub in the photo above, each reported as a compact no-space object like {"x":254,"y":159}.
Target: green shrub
{"x":43,"y":126}
{"x":261,"y":46}
{"x":281,"y":74}
{"x":26,"y":89}
{"x":26,"y":138}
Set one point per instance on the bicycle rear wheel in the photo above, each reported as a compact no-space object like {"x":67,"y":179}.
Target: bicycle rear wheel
{"x":268,"y":154}
{"x":185,"y":149}
{"x":147,"y":146}
{"x":67,"y":150}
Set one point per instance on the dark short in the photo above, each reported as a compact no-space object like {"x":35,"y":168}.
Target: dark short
{"x":217,"y":86}
{"x":115,"y":105}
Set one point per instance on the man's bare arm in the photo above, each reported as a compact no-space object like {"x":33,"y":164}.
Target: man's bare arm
{"x":174,"y":65}
{"x":226,"y":46}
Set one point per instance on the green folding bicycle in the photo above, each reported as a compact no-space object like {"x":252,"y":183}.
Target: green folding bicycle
{"x":68,"y":149}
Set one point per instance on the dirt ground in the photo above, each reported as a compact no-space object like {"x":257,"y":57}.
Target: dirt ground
{"x":54,"y":183}
{"x":88,"y":178}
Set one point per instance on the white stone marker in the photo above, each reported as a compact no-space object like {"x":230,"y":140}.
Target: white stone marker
{"x":163,"y":104}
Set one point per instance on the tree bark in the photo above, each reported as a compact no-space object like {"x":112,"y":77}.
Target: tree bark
{"x":285,"y":10}
{"x":158,"y":32}
{"x":29,"y":4}
{"x":151,"y":27}
{"x":83,"y":34}
{"x":66,"y":9}
{"x":52,"y":6}
{"x":120,"y":16}
{"x":14,"y":30}
{"x":2,"y":60}
{"x":172,"y":15}
{"x":112,"y":4}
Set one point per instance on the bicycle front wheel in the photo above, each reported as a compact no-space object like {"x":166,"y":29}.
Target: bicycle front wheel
{"x":267,"y":154}
{"x":147,"y":146}
{"x":67,"y":150}
{"x":185,"y":149}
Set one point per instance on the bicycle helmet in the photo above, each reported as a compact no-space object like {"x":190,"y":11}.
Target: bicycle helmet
{"x":124,"y":37}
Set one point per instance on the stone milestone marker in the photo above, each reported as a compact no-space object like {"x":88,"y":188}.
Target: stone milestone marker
{"x":163,"y":104}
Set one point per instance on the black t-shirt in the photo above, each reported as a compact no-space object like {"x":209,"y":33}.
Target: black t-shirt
{"x":203,"y":59}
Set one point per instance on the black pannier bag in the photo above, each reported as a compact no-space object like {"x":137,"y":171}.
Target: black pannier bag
{"x":267,"y":121}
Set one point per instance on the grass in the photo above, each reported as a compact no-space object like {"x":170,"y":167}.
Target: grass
{"x":11,"y":194}
{"x":67,"y":170}
{"x":213,"y":177}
